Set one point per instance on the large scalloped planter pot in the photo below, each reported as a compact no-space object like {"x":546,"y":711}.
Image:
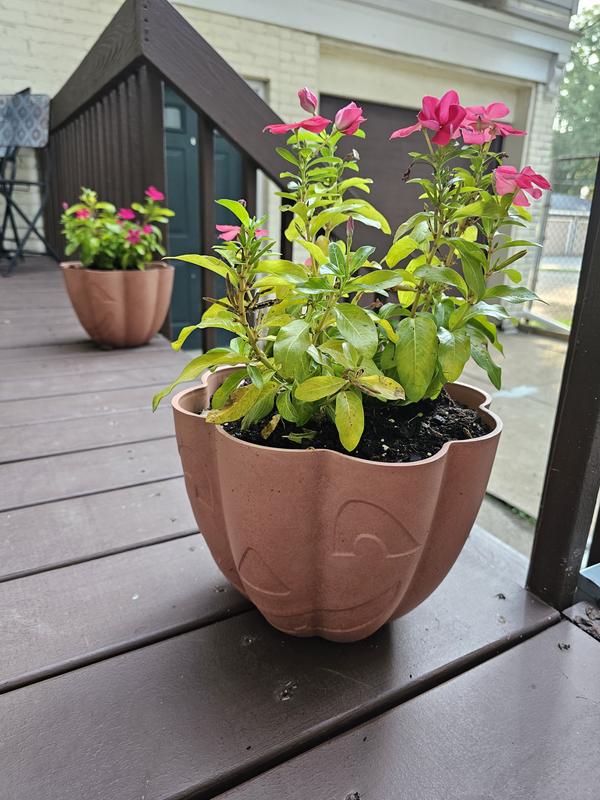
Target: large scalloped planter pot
{"x":120,"y":308}
{"x":323,"y":543}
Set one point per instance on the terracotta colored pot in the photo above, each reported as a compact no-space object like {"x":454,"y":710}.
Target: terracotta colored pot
{"x":323,"y":543}
{"x":120,"y":308}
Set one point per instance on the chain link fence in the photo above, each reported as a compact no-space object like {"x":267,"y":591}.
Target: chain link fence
{"x":555,"y":272}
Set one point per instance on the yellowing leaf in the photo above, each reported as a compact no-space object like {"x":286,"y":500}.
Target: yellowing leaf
{"x":318,"y":387}
{"x":380,"y":386}
{"x":349,"y":418}
{"x":400,"y":249}
{"x":240,"y":402}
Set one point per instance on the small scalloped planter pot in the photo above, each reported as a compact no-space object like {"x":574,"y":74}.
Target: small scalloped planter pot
{"x":120,"y":308}
{"x":322,"y":543}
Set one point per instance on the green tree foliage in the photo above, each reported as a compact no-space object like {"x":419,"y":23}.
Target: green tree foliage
{"x":576,"y":140}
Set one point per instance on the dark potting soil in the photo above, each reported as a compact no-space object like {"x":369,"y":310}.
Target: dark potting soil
{"x":392,"y":433}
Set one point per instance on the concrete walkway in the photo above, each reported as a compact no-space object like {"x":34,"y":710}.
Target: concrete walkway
{"x":532,"y":370}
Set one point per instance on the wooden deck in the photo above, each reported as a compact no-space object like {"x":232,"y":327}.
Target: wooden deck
{"x":130,"y":669}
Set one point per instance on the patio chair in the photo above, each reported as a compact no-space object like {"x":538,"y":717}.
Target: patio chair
{"x":24,"y":122}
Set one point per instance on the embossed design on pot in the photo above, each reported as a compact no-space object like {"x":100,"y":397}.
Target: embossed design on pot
{"x":120,"y":308}
{"x":339,"y":545}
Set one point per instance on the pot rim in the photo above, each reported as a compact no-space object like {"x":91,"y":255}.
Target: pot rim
{"x":65,"y":265}
{"x":483,"y":406}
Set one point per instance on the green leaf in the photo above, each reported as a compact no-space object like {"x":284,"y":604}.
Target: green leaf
{"x":400,"y":249}
{"x":261,"y":407}
{"x":444,"y":275}
{"x":376,"y":279}
{"x":289,"y":349}
{"x":287,"y":155}
{"x":237,"y":209}
{"x":416,"y":219}
{"x":208,"y":262}
{"x":221,"y":396}
{"x":337,"y":257}
{"x":318,"y":387}
{"x":357,"y":327}
{"x":287,"y":269}
{"x":349,"y":418}
{"x":453,"y":352}
{"x":473,"y":264}
{"x":380,"y":386}
{"x":291,"y":410}
{"x":483,"y":359}
{"x":514,"y":275}
{"x":416,"y":354}
{"x":361,"y":208}
{"x":342,"y":353}
{"x":214,"y":357}
{"x":511,"y":294}
{"x":314,"y":251}
{"x":240,"y":402}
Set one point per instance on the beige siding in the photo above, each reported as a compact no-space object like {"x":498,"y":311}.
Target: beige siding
{"x":46,"y":42}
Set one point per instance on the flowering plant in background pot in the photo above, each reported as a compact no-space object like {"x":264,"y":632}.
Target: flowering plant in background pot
{"x":119,"y":292}
{"x":334,"y":465}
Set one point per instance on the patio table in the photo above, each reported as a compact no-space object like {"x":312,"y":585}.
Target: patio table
{"x":130,"y":669}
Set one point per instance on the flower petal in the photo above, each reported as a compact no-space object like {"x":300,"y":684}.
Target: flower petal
{"x":402,"y":132}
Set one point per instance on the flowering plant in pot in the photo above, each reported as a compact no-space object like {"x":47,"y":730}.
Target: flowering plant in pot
{"x":334,"y":463}
{"x":119,"y":292}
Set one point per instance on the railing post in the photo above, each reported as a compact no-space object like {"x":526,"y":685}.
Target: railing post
{"x":573,"y":472}
{"x":206,"y":164}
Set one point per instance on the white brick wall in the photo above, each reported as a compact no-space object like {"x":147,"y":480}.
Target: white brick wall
{"x":45,"y":41}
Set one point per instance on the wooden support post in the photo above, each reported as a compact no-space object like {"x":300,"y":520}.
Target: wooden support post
{"x":573,"y":472}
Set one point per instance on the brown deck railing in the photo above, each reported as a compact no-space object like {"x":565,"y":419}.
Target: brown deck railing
{"x":107,"y":121}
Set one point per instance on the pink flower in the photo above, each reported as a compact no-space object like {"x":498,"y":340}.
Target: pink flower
{"x":508,"y":180}
{"x":443,"y":116}
{"x":133,"y":236}
{"x":230,"y":232}
{"x":83,"y":213}
{"x":349,"y":118}
{"x":126,"y":213}
{"x":147,"y":229}
{"x":154,"y":194}
{"x":481,"y":124}
{"x":65,"y":206}
{"x":308,"y":100}
{"x":313,"y":124}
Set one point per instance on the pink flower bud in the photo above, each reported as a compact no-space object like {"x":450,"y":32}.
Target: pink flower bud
{"x":126,"y":213}
{"x":308,"y":100}
{"x":349,"y":118}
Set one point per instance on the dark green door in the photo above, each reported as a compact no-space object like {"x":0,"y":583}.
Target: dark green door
{"x":181,"y":145}
{"x":228,"y":184}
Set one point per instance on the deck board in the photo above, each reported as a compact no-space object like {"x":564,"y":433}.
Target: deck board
{"x":44,"y":480}
{"x":44,"y":438}
{"x":89,"y":404}
{"x":61,"y":619}
{"x":522,"y":726}
{"x":200,"y":711}
{"x":36,"y":538}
